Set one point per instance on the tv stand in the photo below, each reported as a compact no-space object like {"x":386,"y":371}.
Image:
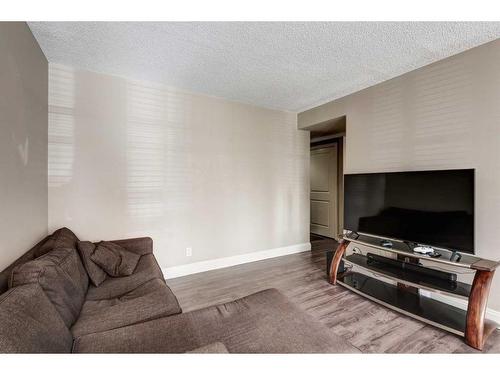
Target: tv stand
{"x":398,"y":288}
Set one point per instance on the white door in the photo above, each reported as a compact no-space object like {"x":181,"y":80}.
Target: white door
{"x":324,"y":205}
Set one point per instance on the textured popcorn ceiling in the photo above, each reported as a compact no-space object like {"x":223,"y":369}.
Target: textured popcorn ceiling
{"x":290,"y":66}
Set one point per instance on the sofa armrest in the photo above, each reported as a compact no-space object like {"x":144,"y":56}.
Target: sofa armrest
{"x":140,"y":245}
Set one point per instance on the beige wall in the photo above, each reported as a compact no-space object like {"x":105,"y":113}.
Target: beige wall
{"x":445,"y":115}
{"x":23,"y":141}
{"x":130,"y":158}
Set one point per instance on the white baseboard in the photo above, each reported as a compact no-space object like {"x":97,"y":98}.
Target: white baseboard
{"x":213,"y":264}
{"x":462,"y":304}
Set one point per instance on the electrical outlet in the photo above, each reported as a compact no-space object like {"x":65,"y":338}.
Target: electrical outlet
{"x":189,"y":251}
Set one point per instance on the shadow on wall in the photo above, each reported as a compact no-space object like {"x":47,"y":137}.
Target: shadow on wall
{"x":61,"y":126}
{"x":440,"y":114}
{"x":145,"y":156}
{"x":158,"y":161}
{"x":130,"y":158}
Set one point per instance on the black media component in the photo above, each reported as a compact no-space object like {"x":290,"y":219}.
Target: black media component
{"x":411,"y":267}
{"x":329,"y":258}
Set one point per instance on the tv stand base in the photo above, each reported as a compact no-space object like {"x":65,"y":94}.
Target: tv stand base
{"x":470,"y":324}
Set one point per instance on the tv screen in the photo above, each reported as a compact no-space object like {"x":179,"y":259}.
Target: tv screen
{"x":434,"y":208}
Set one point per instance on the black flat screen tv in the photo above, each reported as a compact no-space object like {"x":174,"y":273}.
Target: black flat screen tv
{"x":434,"y":208}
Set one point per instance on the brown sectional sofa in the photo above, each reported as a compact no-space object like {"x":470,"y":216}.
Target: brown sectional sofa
{"x":47,"y":304}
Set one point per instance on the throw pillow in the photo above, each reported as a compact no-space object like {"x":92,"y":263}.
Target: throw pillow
{"x":96,"y":274}
{"x":114,"y":259}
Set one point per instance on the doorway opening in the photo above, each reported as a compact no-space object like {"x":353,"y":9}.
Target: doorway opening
{"x":327,"y":143}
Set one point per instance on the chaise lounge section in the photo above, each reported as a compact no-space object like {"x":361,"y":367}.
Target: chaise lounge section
{"x":49,"y":305}
{"x":264,"y":322}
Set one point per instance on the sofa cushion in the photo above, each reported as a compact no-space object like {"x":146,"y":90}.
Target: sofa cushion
{"x":29,"y":323}
{"x":139,"y":245}
{"x":151,"y":300}
{"x":265,"y":322}
{"x":147,"y":269}
{"x":214,"y":348}
{"x":61,"y":275}
{"x":41,"y":248}
{"x":96,"y":274}
{"x":62,"y":237}
{"x":114,"y":259}
{"x":26,"y":257}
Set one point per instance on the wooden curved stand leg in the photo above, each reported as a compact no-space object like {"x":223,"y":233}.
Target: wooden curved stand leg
{"x":476,"y":329}
{"x":337,"y":257}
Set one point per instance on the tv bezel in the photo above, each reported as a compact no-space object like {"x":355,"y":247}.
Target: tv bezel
{"x":473,"y":252}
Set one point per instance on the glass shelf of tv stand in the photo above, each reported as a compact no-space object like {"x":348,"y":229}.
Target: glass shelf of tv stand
{"x":401,"y":248}
{"x":430,"y":311}
{"x":455,"y":289}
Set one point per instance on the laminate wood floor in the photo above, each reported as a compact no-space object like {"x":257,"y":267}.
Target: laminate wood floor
{"x":302,"y":277}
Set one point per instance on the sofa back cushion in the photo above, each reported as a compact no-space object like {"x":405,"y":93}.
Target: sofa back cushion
{"x":61,"y":275}
{"x":26,"y":257}
{"x":29,"y":323}
{"x":60,"y":238}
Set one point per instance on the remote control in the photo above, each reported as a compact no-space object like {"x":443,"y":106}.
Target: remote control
{"x":386,"y":243}
{"x":423,"y":250}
